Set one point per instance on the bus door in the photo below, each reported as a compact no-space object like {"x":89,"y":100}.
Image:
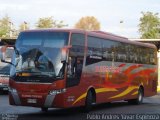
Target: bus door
{"x":75,"y":60}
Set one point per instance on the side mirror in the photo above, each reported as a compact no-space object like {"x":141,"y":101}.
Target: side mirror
{"x":64,"y":51}
{"x":5,"y":54}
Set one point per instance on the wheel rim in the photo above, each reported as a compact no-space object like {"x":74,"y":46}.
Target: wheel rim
{"x":140,"y":97}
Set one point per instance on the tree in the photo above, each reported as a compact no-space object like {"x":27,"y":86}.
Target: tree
{"x":49,"y":22}
{"x":5,"y":26}
{"x":149,"y":26}
{"x":88,"y":23}
{"x":23,"y":26}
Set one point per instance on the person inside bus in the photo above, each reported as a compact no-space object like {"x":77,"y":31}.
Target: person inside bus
{"x":43,"y":62}
{"x":29,"y":60}
{"x":71,"y":65}
{"x":79,"y":68}
{"x":28,"y":64}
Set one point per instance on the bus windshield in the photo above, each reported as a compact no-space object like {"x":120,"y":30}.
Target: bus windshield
{"x":39,"y":53}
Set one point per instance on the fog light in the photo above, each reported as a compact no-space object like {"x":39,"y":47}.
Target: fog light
{"x":55,"y":92}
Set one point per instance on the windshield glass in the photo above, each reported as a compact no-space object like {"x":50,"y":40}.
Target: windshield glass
{"x":39,"y":54}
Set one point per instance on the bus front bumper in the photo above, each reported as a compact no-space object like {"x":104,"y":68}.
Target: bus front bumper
{"x":35,"y":99}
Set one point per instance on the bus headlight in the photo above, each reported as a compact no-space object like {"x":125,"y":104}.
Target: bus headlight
{"x":55,"y":92}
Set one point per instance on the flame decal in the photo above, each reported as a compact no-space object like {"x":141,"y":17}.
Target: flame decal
{"x":135,"y":93}
{"x":130,"y":76}
{"x":108,"y":86}
{"x":105,"y":90}
{"x":129,"y":69}
{"x":99,"y":90}
{"x":81,"y":97}
{"x":128,"y":90}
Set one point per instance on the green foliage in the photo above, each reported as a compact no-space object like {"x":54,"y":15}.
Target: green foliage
{"x":5,"y":26}
{"x":88,"y":23}
{"x":149,"y":26}
{"x":49,"y":22}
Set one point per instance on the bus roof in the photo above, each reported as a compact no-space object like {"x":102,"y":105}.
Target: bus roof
{"x":101,"y":34}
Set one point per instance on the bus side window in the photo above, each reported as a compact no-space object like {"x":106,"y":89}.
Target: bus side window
{"x":94,"y":52}
{"x":152,"y":55}
{"x":107,"y":50}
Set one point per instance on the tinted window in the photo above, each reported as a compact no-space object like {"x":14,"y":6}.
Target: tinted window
{"x":121,"y":52}
{"x":108,"y":50}
{"x":94,"y":46}
{"x":152,"y":56}
{"x":94,"y":53}
{"x":77,"y":42}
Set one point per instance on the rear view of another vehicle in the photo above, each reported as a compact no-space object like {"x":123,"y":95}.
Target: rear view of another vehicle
{"x":4,"y":71}
{"x":4,"y":78}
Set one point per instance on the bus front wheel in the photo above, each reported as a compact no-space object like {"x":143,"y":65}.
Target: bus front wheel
{"x":88,"y":102}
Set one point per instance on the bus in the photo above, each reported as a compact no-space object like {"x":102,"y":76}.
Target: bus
{"x":61,"y":68}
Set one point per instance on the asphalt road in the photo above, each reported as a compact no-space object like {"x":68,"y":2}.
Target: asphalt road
{"x":112,"y":111}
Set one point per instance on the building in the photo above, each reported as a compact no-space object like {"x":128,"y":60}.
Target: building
{"x":7,"y":41}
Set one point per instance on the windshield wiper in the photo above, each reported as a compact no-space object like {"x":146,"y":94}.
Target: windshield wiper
{"x":38,"y":74}
{"x":41,"y":75}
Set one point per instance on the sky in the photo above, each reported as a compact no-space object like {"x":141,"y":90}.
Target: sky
{"x":108,"y":12}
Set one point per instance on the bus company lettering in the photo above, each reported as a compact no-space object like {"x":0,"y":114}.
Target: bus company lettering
{"x":107,"y":69}
{"x":31,"y":96}
{"x":96,"y":57}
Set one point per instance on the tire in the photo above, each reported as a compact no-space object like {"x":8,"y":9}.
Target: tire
{"x":140,"y":96}
{"x":139,"y":99}
{"x":88,"y":102}
{"x":44,"y":109}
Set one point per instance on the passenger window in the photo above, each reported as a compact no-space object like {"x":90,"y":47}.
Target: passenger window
{"x":94,"y":53}
{"x":152,"y":55}
{"x":108,"y":50}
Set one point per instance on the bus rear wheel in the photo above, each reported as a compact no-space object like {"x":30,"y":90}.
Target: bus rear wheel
{"x":139,"y":99}
{"x":44,"y":109}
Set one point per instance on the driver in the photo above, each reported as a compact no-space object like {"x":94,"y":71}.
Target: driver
{"x":29,"y":63}
{"x":43,"y":61}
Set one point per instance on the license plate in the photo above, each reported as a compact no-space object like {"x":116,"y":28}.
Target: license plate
{"x":31,"y":101}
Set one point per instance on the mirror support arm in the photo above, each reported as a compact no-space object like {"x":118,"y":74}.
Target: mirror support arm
{"x":7,"y":62}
